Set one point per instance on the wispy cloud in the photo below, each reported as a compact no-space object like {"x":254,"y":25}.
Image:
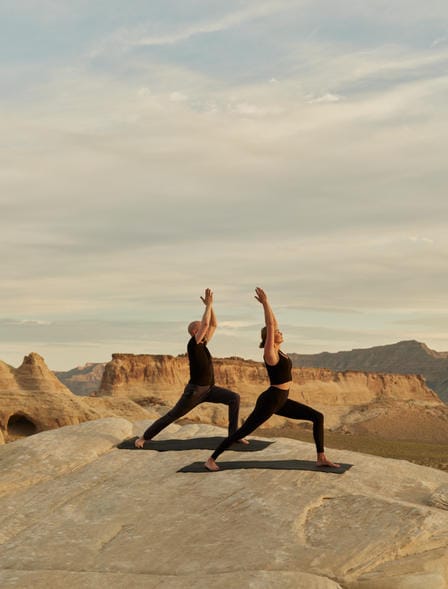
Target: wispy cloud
{"x":440,"y":41}
{"x":146,"y":35}
{"x":423,"y":240}
{"x":328,"y":97}
{"x":23,"y":322}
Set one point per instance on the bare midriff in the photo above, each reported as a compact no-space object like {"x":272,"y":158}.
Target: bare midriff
{"x":285,"y":386}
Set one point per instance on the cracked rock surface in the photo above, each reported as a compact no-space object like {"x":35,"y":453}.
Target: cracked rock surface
{"x":77,"y":512}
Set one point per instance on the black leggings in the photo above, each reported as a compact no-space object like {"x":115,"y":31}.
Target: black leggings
{"x":192,"y":396}
{"x":275,"y":400}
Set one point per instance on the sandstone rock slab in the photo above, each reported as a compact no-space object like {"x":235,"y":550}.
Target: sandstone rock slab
{"x":101,"y":515}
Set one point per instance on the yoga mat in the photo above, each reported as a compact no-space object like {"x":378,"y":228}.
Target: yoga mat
{"x":269,"y":465}
{"x":176,"y":445}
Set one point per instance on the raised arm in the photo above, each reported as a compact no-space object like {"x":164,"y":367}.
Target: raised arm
{"x":213,"y":325}
{"x":208,"y":321}
{"x":270,"y":352}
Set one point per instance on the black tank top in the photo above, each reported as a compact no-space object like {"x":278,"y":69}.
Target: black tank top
{"x":201,"y":365}
{"x":280,"y":372}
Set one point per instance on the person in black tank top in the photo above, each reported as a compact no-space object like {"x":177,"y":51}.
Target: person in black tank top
{"x":201,"y":365}
{"x":275,"y":399}
{"x":201,"y":387}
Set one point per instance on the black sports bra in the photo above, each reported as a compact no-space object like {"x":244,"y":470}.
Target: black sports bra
{"x":280,"y":372}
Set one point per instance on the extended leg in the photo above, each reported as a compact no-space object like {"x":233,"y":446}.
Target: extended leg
{"x":296,"y":410}
{"x":229,"y":398}
{"x":265,"y":406}
{"x":189,"y":399}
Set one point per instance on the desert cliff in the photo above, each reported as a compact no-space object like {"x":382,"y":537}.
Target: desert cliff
{"x":398,"y":406}
{"x":32,"y":399}
{"x":405,"y":357}
{"x":82,"y":380}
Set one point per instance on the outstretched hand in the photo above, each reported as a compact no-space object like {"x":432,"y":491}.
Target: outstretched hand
{"x":207,"y":299}
{"x":261,"y":296}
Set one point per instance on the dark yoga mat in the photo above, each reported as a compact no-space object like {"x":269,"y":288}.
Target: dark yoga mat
{"x":193,"y":444}
{"x":267,"y":464}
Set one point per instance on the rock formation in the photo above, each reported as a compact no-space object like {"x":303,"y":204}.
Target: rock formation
{"x":82,"y":380}
{"x":406,"y":357}
{"x":32,"y":399}
{"x":137,"y":375}
{"x":77,"y":512}
{"x":389,"y":405}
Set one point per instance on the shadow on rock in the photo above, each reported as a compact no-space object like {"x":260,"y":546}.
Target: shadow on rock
{"x":268,"y":464}
{"x":209,"y":443}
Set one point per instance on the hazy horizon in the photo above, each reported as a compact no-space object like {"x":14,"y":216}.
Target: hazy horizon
{"x":151,"y":150}
{"x":258,"y":357}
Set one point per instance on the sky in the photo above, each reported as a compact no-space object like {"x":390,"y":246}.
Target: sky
{"x":149,"y":150}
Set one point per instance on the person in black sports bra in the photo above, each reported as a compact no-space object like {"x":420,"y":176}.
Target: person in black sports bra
{"x":201,"y":387}
{"x":275,"y":398}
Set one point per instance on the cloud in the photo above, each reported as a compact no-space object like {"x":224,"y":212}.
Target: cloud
{"x":236,"y":159}
{"x":439,"y":41}
{"x":153,"y":33}
{"x":252,"y":110}
{"x":178,"y":97}
{"x":328,"y":97}
{"x":422,"y":240}
{"x":26,"y":322}
{"x":130,"y":182}
{"x":225,"y":22}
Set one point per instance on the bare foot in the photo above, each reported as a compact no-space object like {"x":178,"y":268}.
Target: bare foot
{"x":322,"y":460}
{"x":243,"y":441}
{"x":211,"y":465}
{"x":139,"y":442}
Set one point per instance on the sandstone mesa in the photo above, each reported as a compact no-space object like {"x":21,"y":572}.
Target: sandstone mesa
{"x":389,"y":406}
{"x":404,"y":357}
